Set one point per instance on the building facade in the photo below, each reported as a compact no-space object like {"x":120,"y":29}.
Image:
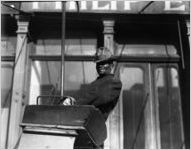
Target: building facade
{"x":151,"y":41}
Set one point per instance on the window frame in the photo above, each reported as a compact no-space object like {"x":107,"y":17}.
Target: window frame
{"x":148,"y":68}
{"x":168,"y":67}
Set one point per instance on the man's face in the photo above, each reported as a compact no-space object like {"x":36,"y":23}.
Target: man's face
{"x":104,"y":68}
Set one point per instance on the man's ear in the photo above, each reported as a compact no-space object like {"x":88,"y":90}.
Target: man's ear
{"x":113,"y":67}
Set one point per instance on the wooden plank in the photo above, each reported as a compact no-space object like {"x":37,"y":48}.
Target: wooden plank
{"x":17,"y":100}
{"x":154,"y":59}
{"x":113,"y":123}
{"x":151,"y":141}
{"x":40,"y":141}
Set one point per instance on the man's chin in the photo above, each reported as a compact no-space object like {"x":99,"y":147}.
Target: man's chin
{"x":102,"y":73}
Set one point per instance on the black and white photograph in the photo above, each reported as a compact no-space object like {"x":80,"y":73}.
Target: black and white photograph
{"x":95,"y":74}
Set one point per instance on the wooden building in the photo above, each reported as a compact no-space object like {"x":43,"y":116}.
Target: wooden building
{"x":151,"y":40}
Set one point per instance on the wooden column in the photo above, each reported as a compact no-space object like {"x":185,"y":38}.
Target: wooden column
{"x":108,"y":34}
{"x":18,"y":95}
{"x":113,"y":122}
{"x":151,"y":114}
{"x":188,"y":30}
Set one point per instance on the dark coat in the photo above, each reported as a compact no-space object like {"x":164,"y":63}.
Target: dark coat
{"x":103,"y":93}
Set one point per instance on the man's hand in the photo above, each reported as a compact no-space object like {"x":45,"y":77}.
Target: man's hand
{"x":69,"y":101}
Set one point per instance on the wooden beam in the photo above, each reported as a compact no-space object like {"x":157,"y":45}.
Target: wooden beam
{"x":18,"y":94}
{"x":113,"y":122}
{"x":63,"y":48}
{"x":153,"y":59}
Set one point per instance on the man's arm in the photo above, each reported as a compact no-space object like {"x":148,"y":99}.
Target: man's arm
{"x":110,"y":94}
{"x":87,"y":96}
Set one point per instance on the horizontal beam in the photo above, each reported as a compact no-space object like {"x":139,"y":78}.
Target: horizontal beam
{"x":58,"y":58}
{"x":145,"y":58}
{"x":7,"y":58}
{"x":118,"y":58}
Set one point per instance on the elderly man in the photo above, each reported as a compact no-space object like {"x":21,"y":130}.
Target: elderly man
{"x":103,"y":93}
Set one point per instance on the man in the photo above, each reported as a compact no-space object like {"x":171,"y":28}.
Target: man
{"x":103,"y":93}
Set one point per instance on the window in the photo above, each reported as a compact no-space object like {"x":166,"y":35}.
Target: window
{"x":145,"y":49}
{"x":8,"y":46}
{"x":132,"y":79}
{"x":8,"y":50}
{"x":168,"y":96}
{"x":6,"y":87}
{"x":73,"y":46}
{"x":46,"y":76}
{"x":150,"y":62}
{"x":6,"y":82}
{"x":151,"y":106}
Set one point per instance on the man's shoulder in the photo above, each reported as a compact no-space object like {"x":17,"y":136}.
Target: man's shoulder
{"x":112,"y":79}
{"x":107,"y":78}
{"x":117,"y":81}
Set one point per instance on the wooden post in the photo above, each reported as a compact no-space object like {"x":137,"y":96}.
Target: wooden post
{"x":18,"y":94}
{"x":63,"y":47}
{"x":188,"y":30}
{"x":113,"y":122}
{"x":108,"y":34}
{"x":152,"y":129}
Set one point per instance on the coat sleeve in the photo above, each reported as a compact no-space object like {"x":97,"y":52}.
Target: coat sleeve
{"x":110,"y":94}
{"x":87,"y":96}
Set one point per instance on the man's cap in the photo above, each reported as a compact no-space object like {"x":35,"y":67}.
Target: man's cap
{"x":103,"y":54}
